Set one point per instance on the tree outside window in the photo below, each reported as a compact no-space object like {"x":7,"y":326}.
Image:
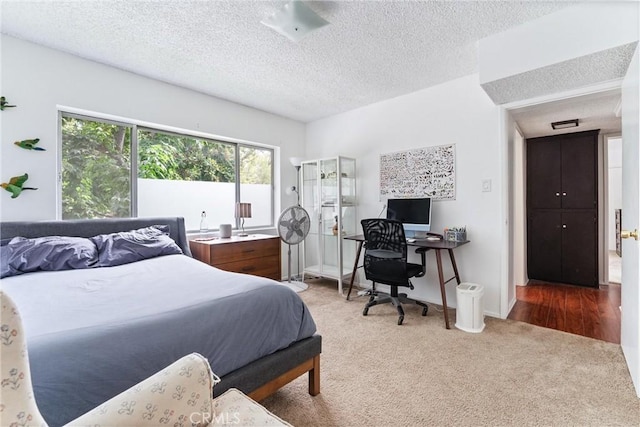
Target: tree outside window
{"x":96,"y":169}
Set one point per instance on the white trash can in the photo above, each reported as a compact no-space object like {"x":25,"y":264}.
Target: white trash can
{"x":470,"y":312}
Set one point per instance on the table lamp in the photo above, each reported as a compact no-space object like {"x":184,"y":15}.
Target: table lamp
{"x":243,"y":210}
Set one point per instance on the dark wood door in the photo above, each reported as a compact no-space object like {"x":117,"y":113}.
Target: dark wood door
{"x":579,"y":250}
{"x":544,"y":167}
{"x":544,"y":260}
{"x":579,"y":171}
{"x":562,"y":192}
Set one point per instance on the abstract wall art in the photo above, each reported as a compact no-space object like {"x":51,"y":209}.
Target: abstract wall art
{"x":420,"y":172}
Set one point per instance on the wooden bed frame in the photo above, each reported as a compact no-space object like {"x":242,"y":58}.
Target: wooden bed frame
{"x":312,"y":366}
{"x":258,"y":379}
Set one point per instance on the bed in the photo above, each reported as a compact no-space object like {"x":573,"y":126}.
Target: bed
{"x":95,"y":332}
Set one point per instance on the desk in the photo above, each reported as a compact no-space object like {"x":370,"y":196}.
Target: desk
{"x":437,"y":246}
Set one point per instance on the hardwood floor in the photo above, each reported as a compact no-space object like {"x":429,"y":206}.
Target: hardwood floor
{"x":583,"y":311}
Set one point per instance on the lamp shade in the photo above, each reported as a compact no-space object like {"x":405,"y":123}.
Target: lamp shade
{"x":243,"y":210}
{"x":290,"y":190}
{"x":296,"y":161}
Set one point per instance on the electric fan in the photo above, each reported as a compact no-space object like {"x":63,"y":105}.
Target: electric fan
{"x":293,"y":227}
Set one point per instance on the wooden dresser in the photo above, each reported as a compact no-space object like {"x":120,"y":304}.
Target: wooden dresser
{"x":257,"y":254}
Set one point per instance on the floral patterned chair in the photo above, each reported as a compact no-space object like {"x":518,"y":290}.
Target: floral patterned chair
{"x":179,"y":395}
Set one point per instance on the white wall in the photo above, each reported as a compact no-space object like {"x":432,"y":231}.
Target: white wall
{"x":508,"y":295}
{"x":615,"y":186}
{"x":457,"y":112}
{"x":39,"y":79}
{"x":519,"y":219}
{"x":534,"y":44}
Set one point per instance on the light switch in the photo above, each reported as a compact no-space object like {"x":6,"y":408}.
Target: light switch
{"x":486,"y":185}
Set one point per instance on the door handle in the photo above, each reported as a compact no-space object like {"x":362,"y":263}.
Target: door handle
{"x":625,"y":234}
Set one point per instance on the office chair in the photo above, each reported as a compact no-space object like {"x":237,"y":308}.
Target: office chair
{"x":385,"y":261}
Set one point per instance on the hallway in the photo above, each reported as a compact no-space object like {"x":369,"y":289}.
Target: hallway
{"x":578,"y":310}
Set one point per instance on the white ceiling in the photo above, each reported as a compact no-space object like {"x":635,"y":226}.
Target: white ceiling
{"x":594,"y":111}
{"x":372,"y":51}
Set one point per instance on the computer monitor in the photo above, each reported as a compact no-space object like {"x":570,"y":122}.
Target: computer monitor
{"x":415,"y":215}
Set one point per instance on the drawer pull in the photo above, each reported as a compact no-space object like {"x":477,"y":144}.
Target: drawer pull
{"x":248,"y":268}
{"x":246,"y":251}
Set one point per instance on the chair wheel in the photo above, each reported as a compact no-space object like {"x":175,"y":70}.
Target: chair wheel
{"x":400,"y":319}
{"x":365,"y":311}
{"x":424,"y":310}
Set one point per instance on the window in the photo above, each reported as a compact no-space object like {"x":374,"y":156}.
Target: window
{"x":176,"y":174}
{"x":256,"y":182}
{"x":96,"y":169}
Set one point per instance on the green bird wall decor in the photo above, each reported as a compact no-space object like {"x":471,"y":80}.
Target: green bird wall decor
{"x":4,"y":104}
{"x":16,"y":185}
{"x":29,"y":144}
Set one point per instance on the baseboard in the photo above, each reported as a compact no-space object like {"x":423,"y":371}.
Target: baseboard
{"x":492,"y":314}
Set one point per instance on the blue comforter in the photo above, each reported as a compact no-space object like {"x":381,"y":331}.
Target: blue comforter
{"x":92,"y":334}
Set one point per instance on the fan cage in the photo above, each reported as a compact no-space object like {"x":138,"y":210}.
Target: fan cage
{"x":294,"y":225}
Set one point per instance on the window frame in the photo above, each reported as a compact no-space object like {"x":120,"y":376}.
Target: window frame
{"x":134,"y":126}
{"x":272,"y":177}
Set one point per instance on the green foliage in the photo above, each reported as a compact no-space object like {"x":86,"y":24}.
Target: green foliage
{"x":255,"y":166}
{"x":156,"y":161}
{"x":95,"y":169}
{"x":168,"y":156}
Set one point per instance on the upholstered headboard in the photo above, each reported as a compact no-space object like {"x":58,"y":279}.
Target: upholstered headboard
{"x":92,"y":227}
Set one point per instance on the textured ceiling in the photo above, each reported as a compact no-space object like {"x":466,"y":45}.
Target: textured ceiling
{"x":595,"y":111}
{"x":606,"y":65}
{"x":371,"y":51}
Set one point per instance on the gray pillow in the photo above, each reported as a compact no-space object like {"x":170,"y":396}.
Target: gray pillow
{"x":49,"y":253}
{"x":131,"y":246}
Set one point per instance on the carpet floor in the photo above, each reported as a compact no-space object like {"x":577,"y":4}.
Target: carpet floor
{"x":376,"y":373}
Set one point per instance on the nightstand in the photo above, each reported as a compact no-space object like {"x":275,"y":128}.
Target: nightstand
{"x":257,"y":254}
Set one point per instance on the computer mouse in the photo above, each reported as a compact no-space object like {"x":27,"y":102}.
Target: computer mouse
{"x":411,"y":240}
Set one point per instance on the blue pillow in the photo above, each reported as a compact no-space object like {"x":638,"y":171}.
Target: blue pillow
{"x":49,"y":253}
{"x":131,"y":246}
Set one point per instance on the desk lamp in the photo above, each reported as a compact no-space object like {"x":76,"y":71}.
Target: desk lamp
{"x":243,"y":210}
